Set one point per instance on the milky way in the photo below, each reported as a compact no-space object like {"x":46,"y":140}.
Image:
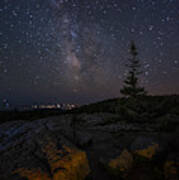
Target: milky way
{"x":76,"y":50}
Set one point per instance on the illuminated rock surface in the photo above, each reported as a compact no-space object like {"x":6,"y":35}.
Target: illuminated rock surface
{"x":121,"y":164}
{"x":145,"y":147}
{"x":32,"y":151}
{"x":87,"y":148}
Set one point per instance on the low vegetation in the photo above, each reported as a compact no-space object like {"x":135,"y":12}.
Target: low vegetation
{"x":145,"y":109}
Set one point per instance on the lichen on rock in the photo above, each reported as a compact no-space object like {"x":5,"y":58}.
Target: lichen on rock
{"x":32,"y":174}
{"x":121,"y":164}
{"x":148,"y":152}
{"x":171,"y":170}
{"x":68,"y":163}
{"x":145,"y":147}
{"x":65,"y":164}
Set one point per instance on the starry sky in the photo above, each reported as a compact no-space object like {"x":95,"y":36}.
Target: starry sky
{"x":75,"y":51}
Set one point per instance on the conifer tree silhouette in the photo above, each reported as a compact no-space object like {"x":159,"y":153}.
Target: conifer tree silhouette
{"x":131,"y":87}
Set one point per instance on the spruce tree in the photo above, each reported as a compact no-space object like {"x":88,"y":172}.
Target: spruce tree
{"x":131,"y":87}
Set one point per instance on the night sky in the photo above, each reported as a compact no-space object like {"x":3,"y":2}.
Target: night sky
{"x":75,"y":51}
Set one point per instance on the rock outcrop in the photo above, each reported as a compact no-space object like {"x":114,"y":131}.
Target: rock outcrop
{"x":33,"y":151}
{"x":93,"y":146}
{"x":122,"y":164}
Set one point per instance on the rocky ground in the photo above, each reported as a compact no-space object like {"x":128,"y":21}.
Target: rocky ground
{"x":90,"y":146}
{"x":82,"y":146}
